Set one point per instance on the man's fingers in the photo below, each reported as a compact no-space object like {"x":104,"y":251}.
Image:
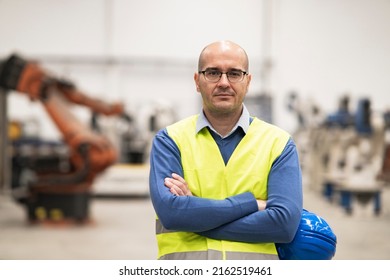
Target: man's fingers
{"x":177,"y":185}
{"x":181,"y":183}
{"x":176,"y":182}
{"x":176,"y":191}
{"x":179,"y":178}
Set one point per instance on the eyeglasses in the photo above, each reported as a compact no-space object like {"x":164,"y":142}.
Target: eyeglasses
{"x":214,"y":75}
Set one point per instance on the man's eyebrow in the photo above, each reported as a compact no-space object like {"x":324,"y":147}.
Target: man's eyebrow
{"x":230,"y":69}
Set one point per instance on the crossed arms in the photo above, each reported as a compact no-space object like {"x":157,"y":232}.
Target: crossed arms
{"x":238,"y":218}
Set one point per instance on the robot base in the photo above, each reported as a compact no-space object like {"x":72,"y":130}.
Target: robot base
{"x":59,"y":208}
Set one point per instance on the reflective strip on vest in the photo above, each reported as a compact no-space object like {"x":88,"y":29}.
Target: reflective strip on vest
{"x":216,"y":255}
{"x":200,"y":255}
{"x":209,"y":254}
{"x":204,"y":168}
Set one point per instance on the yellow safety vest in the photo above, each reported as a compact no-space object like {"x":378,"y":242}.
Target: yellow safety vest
{"x":208,"y":177}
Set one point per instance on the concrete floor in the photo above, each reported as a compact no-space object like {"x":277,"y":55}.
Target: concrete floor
{"x":124,"y":229}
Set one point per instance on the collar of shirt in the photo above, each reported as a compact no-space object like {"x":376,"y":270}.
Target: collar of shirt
{"x":243,"y":122}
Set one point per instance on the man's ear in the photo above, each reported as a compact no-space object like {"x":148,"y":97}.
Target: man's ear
{"x":249,"y":78}
{"x":196,"y":80}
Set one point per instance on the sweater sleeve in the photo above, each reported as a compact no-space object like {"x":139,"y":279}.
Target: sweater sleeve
{"x":188,"y":213}
{"x":280,"y":220}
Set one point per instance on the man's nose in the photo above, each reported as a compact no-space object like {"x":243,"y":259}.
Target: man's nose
{"x":224,"y":81}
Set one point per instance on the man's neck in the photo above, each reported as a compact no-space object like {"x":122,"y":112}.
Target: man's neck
{"x":223,"y":123}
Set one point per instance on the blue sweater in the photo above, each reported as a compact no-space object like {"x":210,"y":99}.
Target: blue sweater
{"x":235,"y":218}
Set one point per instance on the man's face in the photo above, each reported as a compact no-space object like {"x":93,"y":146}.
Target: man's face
{"x":222,"y":97}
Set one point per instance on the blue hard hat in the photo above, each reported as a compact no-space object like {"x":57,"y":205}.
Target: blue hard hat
{"x":314,"y":240}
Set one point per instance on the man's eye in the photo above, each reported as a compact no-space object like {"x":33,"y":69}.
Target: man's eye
{"x":234,"y":73}
{"x":213,"y":73}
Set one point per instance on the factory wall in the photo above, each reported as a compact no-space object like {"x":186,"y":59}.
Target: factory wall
{"x":324,"y":49}
{"x":143,"y":52}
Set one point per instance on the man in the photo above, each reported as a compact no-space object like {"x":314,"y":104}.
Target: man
{"x":224,"y":185}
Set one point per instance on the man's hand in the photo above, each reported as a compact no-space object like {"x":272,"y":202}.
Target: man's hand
{"x":177,"y":185}
{"x":261,"y":204}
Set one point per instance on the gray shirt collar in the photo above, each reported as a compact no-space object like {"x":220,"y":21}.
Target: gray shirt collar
{"x":243,"y":122}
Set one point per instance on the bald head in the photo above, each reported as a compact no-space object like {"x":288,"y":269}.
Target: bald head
{"x":221,"y":47}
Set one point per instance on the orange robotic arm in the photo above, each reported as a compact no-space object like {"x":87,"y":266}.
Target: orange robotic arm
{"x":90,"y":153}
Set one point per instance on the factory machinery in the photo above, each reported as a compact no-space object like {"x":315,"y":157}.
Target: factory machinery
{"x":345,"y":155}
{"x":55,"y":186}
